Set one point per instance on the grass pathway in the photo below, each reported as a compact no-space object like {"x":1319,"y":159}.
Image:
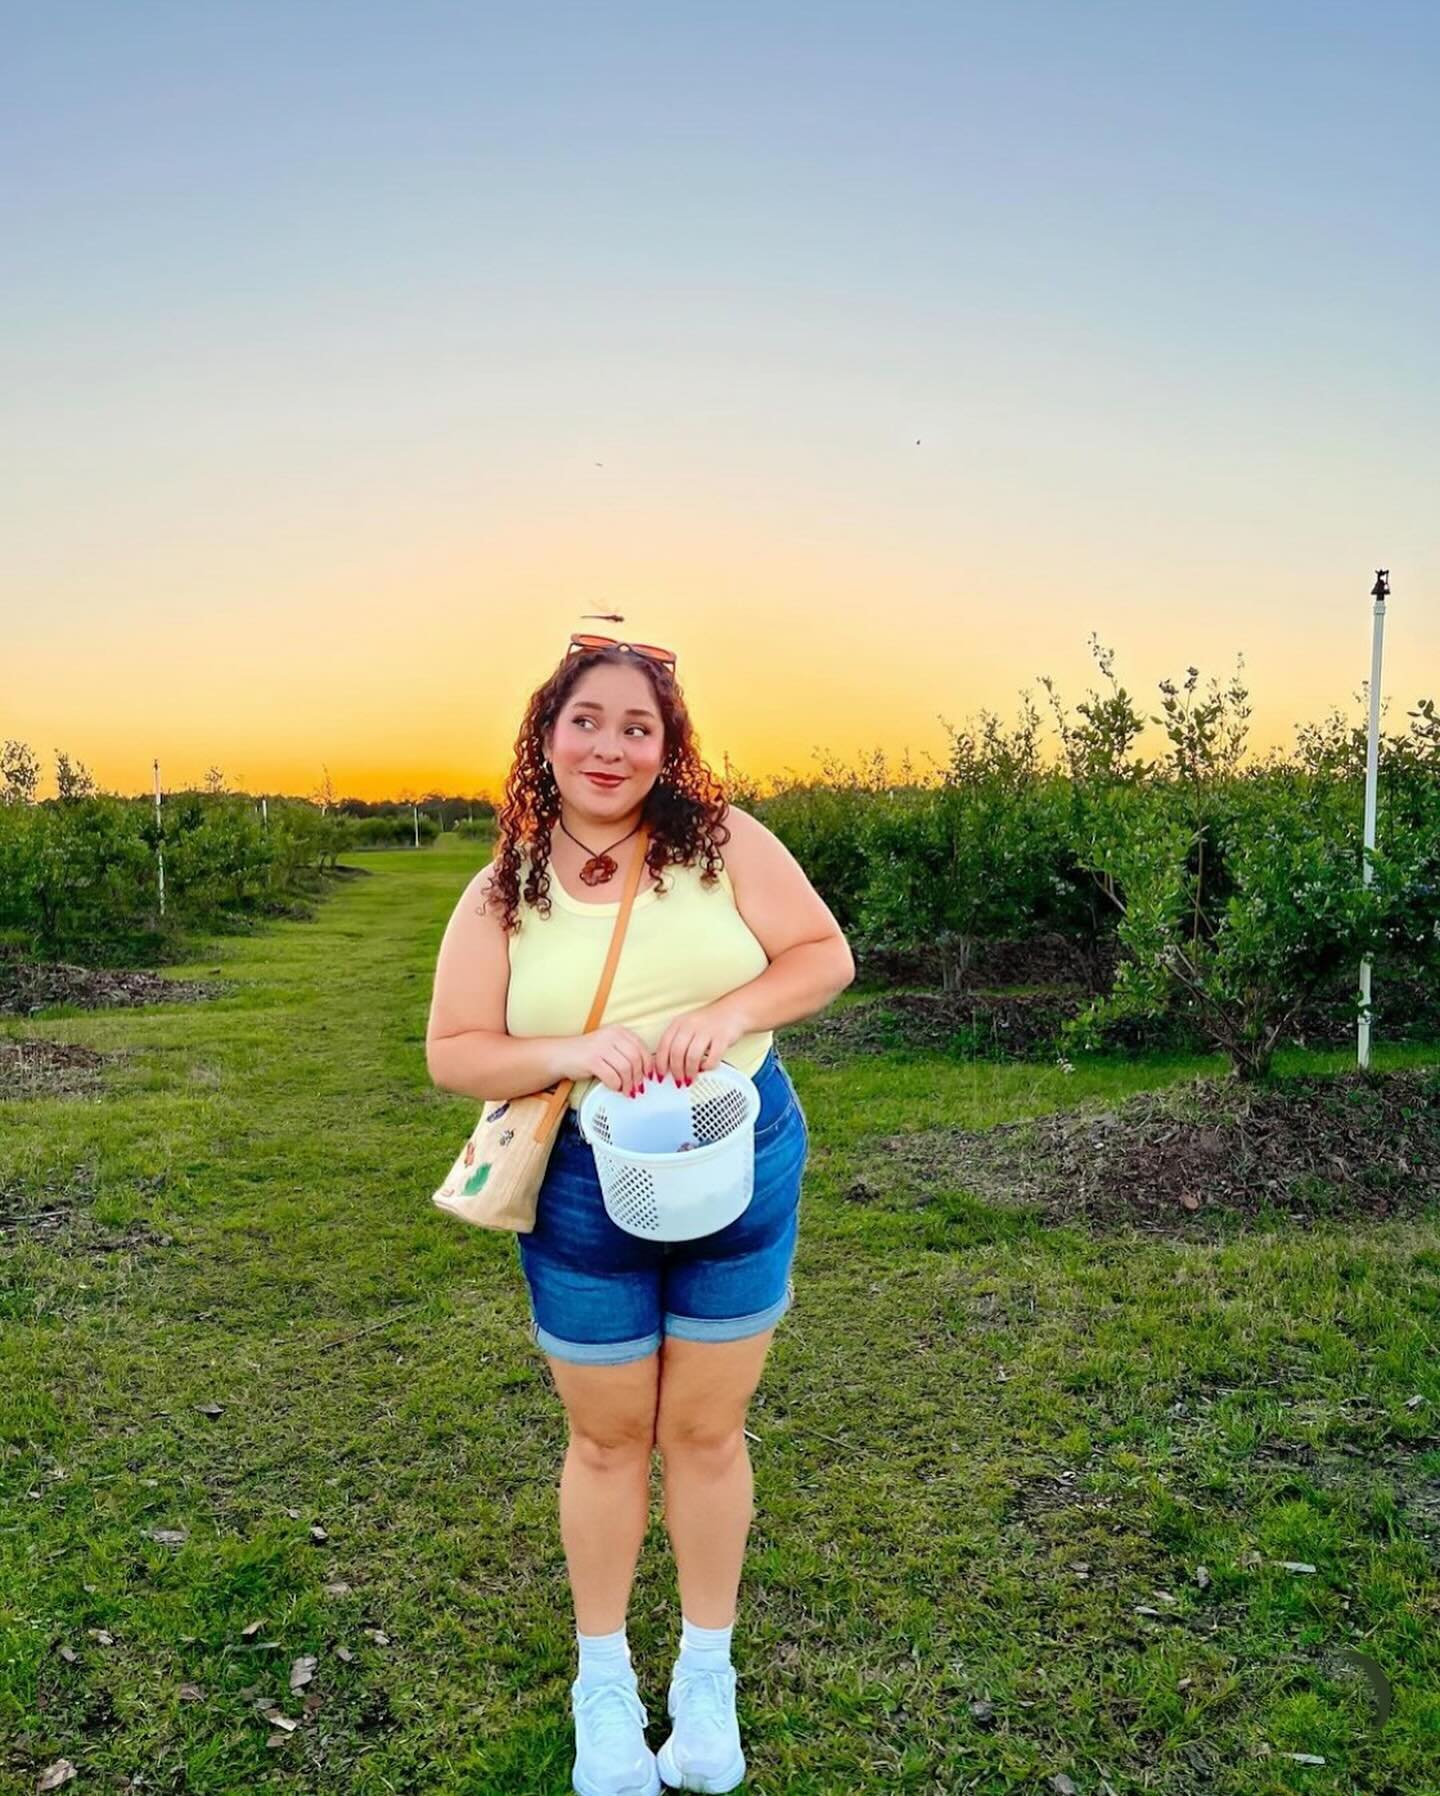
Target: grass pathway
{"x":991,"y":1456}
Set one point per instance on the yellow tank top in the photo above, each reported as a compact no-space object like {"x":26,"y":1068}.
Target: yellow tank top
{"x":683,"y":948}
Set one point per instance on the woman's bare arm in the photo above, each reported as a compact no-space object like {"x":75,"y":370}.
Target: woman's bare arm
{"x":467,"y":1049}
{"x":810,"y":959}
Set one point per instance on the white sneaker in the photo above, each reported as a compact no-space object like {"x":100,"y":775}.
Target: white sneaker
{"x":612,"y":1755}
{"x":703,"y":1751}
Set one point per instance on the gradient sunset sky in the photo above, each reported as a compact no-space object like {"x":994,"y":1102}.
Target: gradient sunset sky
{"x":871,"y":355}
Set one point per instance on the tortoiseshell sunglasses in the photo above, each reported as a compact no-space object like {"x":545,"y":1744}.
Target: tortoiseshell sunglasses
{"x":648,"y":649}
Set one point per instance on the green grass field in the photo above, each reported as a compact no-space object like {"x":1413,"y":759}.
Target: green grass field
{"x":991,"y":1457}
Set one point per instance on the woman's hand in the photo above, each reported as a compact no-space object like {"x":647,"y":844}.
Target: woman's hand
{"x":614,"y":1055}
{"x":694,"y":1042}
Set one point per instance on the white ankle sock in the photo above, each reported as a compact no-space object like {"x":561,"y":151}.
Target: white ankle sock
{"x":703,"y":1649}
{"x":604,"y":1658}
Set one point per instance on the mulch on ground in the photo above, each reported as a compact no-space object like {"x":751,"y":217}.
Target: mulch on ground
{"x":27,"y":986}
{"x":49,"y":1069}
{"x":1318,"y":1145}
{"x":57,"y":1211}
{"x":977,"y":1024}
{"x":986,"y":1024}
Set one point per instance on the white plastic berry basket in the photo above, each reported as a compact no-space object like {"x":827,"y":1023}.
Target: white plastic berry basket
{"x":676,"y":1162}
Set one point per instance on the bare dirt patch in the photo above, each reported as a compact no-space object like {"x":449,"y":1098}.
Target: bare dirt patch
{"x":28,"y":986}
{"x":1341,"y":1145}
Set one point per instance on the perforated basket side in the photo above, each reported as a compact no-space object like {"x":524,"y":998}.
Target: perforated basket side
{"x":718,"y":1115}
{"x":629,"y":1192}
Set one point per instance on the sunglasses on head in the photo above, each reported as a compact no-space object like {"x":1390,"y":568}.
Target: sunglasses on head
{"x":578,"y":644}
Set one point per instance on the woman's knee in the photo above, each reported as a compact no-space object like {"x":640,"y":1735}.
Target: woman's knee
{"x":612,"y":1444}
{"x":701,"y":1440}
{"x":611,"y":1411}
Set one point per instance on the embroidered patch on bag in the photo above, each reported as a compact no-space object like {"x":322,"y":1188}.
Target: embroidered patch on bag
{"x":507,"y":1137}
{"x":498,"y":1112}
{"x":476,"y":1181}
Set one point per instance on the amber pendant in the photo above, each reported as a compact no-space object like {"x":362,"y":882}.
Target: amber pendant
{"x":598,"y":869}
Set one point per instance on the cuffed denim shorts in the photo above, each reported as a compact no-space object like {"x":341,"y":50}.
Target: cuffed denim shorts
{"x":600,"y":1295}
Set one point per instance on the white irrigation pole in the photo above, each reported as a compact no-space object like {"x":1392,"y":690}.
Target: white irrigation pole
{"x":159,"y":839}
{"x":1379,"y":592}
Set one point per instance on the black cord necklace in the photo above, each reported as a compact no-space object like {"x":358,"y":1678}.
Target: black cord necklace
{"x":600,"y":867}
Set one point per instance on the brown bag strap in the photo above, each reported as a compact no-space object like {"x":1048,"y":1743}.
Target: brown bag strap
{"x":632,"y":885}
{"x":607,"y":977}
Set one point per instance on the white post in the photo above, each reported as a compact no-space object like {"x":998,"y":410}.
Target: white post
{"x":265,"y":811}
{"x":159,"y":843}
{"x":1379,"y":593}
{"x":416,"y":816}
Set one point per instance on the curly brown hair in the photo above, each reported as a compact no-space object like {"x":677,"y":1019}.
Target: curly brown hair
{"x":685,"y":807}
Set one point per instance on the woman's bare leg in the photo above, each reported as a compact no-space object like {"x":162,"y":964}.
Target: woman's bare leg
{"x":705,"y":1391}
{"x":605,"y":1482}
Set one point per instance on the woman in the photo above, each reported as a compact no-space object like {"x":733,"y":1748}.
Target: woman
{"x":649,"y":1343}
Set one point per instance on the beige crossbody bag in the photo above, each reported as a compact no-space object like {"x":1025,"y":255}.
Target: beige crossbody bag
{"x":495,"y":1181}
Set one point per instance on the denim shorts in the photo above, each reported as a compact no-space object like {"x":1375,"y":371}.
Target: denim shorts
{"x":600,"y":1295}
